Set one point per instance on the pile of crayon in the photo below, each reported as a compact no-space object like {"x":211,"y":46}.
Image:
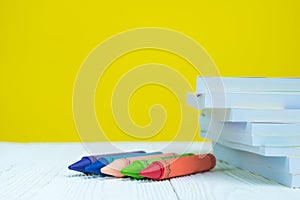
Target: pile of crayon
{"x":140,"y":164}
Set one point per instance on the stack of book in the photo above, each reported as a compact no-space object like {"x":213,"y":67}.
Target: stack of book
{"x":254,"y":123}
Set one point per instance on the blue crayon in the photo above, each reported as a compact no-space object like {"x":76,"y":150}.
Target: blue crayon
{"x":103,"y":161}
{"x":87,"y":160}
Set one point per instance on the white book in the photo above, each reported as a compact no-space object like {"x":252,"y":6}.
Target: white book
{"x":274,"y":100}
{"x":276,"y":168}
{"x":247,"y":84}
{"x":254,"y":115}
{"x":262,"y":150}
{"x":254,"y":140}
{"x":214,"y":131}
{"x":252,"y":128}
{"x":285,"y":164}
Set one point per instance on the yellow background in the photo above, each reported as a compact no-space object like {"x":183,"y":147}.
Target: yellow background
{"x":43,"y":44}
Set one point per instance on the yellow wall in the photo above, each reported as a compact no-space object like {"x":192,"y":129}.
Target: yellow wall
{"x":43,"y":44}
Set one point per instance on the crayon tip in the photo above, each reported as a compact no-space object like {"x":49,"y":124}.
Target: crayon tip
{"x":94,"y":168}
{"x":133,"y":170}
{"x":153,"y":171}
{"x":111,"y":171}
{"x":80,"y":165}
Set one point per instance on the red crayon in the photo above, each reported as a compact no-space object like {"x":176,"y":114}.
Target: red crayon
{"x":181,"y":166}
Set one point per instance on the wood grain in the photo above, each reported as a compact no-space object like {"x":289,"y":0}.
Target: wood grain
{"x":39,"y":171}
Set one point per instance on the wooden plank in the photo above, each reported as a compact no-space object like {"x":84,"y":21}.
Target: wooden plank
{"x":227,"y":182}
{"x":39,"y":171}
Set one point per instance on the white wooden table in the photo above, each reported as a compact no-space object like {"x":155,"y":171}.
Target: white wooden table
{"x":38,"y":171}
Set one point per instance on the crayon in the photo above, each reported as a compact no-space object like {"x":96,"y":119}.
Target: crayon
{"x":116,"y":166}
{"x":87,"y":160}
{"x":135,"y":167}
{"x":103,"y":161}
{"x":174,"y":167}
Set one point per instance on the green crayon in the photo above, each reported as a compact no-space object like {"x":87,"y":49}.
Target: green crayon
{"x":135,"y":167}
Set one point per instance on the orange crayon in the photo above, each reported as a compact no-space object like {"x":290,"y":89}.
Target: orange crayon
{"x":181,"y":166}
{"x":116,"y":166}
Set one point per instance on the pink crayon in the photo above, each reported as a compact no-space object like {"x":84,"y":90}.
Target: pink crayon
{"x":116,"y":166}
